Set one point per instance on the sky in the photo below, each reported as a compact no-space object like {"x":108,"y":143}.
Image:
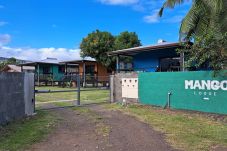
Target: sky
{"x":37,"y":29}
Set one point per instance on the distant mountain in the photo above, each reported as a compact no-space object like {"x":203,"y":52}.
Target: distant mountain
{"x":3,"y":59}
{"x":19,"y":61}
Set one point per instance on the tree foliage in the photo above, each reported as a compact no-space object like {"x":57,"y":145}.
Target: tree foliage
{"x":204,"y":15}
{"x":206,"y":52}
{"x":127,"y":40}
{"x":98,"y":43}
{"x":7,"y":62}
{"x":206,"y":25}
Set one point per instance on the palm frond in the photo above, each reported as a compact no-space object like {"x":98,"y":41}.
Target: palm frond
{"x":170,"y":4}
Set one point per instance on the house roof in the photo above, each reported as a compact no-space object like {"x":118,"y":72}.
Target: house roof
{"x":16,"y":68}
{"x":45,"y":61}
{"x":78,"y":61}
{"x":136,"y":50}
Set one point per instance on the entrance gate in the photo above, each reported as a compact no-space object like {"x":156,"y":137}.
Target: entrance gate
{"x":47,"y":97}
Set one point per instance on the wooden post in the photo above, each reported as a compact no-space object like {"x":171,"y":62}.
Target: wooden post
{"x":84,"y":74}
{"x":38,"y":74}
{"x":78,"y":90}
{"x":117,"y":64}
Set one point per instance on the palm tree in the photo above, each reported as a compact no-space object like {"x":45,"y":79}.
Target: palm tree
{"x":204,"y":16}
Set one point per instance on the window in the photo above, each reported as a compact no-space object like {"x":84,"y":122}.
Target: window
{"x":169,"y":64}
{"x":90,"y":69}
{"x":46,"y":70}
{"x":61,"y":69}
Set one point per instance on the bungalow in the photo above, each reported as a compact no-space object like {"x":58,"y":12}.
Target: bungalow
{"x":15,"y":68}
{"x":90,"y":71}
{"x":161,"y":57}
{"x":49,"y":70}
{"x":53,"y":70}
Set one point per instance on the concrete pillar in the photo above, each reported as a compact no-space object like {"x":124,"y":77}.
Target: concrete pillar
{"x":112,"y":89}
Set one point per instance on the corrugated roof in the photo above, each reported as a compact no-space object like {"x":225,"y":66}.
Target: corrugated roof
{"x":45,"y":61}
{"x":78,"y":61}
{"x":18,"y":68}
{"x":136,"y":50}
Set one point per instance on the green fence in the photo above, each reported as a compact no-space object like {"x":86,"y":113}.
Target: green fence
{"x":199,"y":91}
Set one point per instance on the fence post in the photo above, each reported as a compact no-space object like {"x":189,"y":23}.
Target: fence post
{"x":111,"y":88}
{"x":78,"y":90}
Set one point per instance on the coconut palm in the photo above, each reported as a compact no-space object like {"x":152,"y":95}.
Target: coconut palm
{"x":204,"y":16}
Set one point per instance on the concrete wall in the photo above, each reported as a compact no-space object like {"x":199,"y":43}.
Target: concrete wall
{"x":16,"y":96}
{"x":116,"y":86}
{"x":197,"y":90}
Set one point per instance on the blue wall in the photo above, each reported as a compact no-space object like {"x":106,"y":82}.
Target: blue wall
{"x":150,"y":60}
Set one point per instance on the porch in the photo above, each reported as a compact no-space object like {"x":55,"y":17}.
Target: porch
{"x":162,"y":57}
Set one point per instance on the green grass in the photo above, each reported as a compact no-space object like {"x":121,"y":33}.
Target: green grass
{"x":21,"y":134}
{"x":186,"y":131}
{"x":95,"y":96}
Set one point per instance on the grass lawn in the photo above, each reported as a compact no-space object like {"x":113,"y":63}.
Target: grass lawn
{"x":95,"y":96}
{"x":21,"y":134}
{"x":183,"y":130}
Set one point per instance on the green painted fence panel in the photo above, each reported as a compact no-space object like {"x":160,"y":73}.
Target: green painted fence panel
{"x":199,"y":91}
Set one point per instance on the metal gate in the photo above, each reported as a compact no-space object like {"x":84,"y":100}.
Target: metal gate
{"x":66,"y":94}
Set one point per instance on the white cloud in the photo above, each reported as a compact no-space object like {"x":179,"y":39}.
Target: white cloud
{"x":153,"y":18}
{"x":3,"y":23}
{"x":4,"y":39}
{"x":40,"y":53}
{"x":119,"y":2}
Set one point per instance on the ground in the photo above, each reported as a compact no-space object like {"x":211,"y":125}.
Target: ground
{"x":95,"y":128}
{"x":99,"y":125}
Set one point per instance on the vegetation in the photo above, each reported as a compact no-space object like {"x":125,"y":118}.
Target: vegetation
{"x":206,"y":52}
{"x":205,"y":25}
{"x":126,"y":40}
{"x":94,"y":96}
{"x":97,"y":44}
{"x":21,"y":134}
{"x":7,"y":62}
{"x":204,"y":15}
{"x":185,"y":131}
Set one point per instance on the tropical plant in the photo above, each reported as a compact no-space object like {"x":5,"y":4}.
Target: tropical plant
{"x":206,"y":26}
{"x":203,"y":15}
{"x":206,"y":52}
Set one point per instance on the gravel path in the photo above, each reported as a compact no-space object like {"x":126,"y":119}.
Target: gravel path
{"x":78,"y":132}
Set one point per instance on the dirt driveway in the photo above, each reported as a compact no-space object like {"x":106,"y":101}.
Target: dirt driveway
{"x":100,"y":129}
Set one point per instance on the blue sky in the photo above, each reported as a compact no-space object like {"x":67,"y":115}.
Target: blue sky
{"x":34,"y":29}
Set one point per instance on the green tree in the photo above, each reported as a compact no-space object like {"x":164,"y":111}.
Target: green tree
{"x":7,"y":62}
{"x":96,"y":45}
{"x":207,"y":51}
{"x":127,"y":40}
